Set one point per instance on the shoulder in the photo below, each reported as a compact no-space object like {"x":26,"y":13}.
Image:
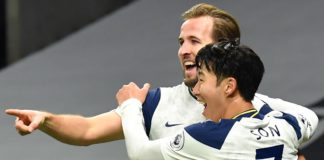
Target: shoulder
{"x":293,"y":122}
{"x":154,"y":96}
{"x":174,"y":89}
{"x":211,"y":133}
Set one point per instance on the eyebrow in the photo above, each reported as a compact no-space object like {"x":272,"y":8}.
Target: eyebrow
{"x":194,"y":37}
{"x":190,"y":37}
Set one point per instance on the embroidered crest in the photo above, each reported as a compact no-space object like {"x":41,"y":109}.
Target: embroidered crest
{"x":177,"y":142}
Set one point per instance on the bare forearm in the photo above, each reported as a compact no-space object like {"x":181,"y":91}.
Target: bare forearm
{"x":82,"y":131}
{"x":68,"y":129}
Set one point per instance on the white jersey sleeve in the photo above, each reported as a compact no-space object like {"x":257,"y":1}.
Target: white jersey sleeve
{"x":307,"y":117}
{"x":137,"y":143}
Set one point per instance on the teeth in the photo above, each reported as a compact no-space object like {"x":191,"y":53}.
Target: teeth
{"x":189,"y":63}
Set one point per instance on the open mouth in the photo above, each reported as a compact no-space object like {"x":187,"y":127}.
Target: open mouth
{"x":189,"y":65}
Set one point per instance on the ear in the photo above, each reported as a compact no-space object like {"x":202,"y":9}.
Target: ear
{"x":230,"y":86}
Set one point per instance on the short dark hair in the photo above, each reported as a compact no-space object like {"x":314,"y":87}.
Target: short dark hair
{"x":229,"y":59}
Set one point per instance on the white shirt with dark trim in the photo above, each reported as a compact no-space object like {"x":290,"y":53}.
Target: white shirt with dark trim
{"x":167,"y":110}
{"x":275,"y":136}
{"x":140,"y":147}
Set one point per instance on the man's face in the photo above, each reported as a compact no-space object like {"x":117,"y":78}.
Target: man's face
{"x":195,"y":33}
{"x":208,"y":92}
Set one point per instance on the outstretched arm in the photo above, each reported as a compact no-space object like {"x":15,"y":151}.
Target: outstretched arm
{"x":70,"y":129}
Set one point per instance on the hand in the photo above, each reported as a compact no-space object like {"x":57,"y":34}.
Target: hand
{"x":132,"y":91}
{"x":301,"y":156}
{"x":27,"y":120}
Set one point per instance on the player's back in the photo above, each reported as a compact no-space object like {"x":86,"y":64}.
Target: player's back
{"x":274,"y":136}
{"x":265,"y":138}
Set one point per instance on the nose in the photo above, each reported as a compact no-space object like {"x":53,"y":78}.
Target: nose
{"x":184,"y":49}
{"x":195,"y":89}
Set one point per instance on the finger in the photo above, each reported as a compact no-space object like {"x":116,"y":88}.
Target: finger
{"x":23,"y":133}
{"x":146,"y":87}
{"x":133,"y":85}
{"x":15,"y":112}
{"x":22,"y":128}
{"x":35,"y":123}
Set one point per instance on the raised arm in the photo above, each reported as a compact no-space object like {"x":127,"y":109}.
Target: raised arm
{"x":70,"y":129}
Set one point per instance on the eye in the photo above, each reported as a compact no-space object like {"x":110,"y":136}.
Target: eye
{"x":194,"y":41}
{"x":180,"y":42}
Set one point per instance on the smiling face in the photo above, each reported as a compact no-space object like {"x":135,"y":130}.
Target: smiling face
{"x":228,"y":77}
{"x":195,"y":33}
{"x":211,"y":94}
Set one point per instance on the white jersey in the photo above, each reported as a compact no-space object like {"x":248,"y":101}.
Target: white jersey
{"x":167,"y":110}
{"x":275,"y":135}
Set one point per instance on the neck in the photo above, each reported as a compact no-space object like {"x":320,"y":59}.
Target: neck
{"x":233,"y":107}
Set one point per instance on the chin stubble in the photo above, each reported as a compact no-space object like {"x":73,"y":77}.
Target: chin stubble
{"x":190,"y":82}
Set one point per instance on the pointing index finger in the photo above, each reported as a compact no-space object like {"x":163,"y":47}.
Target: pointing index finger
{"x":14,"y":112}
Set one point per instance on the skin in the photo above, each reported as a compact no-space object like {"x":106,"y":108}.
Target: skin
{"x":223,"y":100}
{"x":301,"y":157}
{"x":78,"y":130}
{"x":195,"y":33}
{"x":82,"y":132}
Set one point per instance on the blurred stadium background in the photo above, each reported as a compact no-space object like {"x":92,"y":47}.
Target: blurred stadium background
{"x":72,"y":56}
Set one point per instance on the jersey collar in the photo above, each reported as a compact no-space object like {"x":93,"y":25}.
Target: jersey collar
{"x":192,"y":95}
{"x":249,"y":113}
